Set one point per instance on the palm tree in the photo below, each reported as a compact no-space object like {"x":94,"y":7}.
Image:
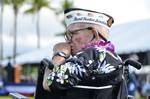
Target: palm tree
{"x":16,"y":4}
{"x":37,"y":5}
{"x":1,"y":29}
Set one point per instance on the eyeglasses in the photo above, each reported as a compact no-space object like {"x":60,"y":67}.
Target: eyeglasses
{"x":69,"y":34}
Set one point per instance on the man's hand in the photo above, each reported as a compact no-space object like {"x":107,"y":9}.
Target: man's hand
{"x":62,"y":47}
{"x":61,"y":51}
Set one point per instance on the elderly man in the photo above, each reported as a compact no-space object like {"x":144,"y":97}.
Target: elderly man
{"x":85,"y":66}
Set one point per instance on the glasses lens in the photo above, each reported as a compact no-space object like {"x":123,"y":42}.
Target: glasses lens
{"x":68,"y":34}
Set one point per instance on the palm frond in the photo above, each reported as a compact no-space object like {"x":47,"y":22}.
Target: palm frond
{"x":67,"y":4}
{"x":37,"y":5}
{"x":30,"y":11}
{"x":15,"y":3}
{"x":7,"y":2}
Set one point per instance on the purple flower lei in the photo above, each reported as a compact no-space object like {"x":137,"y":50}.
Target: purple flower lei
{"x":102,"y":44}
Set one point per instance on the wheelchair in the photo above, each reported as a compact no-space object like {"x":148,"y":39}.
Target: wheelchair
{"x":123,"y":76}
{"x":123,"y":73}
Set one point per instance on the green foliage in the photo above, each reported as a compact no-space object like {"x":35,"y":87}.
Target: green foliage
{"x":37,"y":5}
{"x":16,"y":4}
{"x":64,"y":5}
{"x":9,"y":97}
{"x":67,"y":4}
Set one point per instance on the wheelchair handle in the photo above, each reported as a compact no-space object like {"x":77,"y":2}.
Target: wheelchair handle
{"x":133,"y":63}
{"x":47,"y":63}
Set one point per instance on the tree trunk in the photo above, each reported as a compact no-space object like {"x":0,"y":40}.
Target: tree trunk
{"x":15,"y":37}
{"x":38,"y":30}
{"x":1,"y":29}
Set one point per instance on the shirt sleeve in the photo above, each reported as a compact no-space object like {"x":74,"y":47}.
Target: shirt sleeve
{"x":67,"y":75}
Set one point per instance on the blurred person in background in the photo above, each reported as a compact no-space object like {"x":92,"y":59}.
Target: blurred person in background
{"x":146,"y":87}
{"x":84,"y":63}
{"x":10,"y":72}
{"x":133,"y":82}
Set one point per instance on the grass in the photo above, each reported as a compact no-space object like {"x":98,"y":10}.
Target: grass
{"x":5,"y":97}
{"x":9,"y":97}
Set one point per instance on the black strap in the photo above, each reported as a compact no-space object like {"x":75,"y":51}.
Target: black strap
{"x":62,"y":54}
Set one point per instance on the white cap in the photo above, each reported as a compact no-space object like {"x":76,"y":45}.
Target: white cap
{"x":76,"y":15}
